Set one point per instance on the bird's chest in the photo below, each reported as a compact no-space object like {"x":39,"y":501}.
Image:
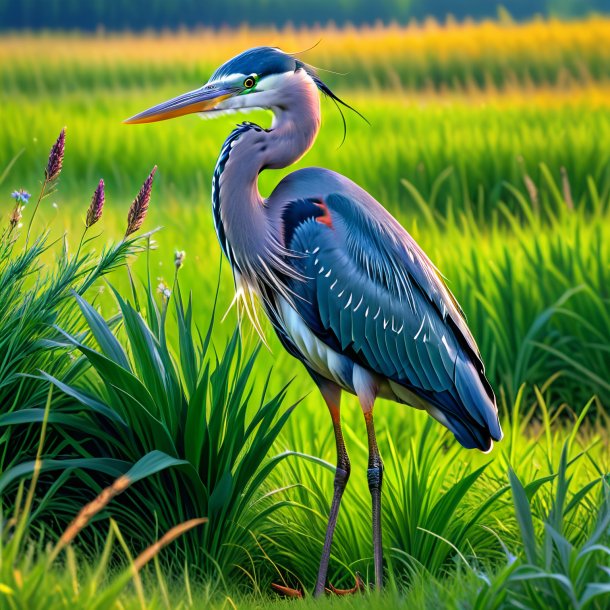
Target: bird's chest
{"x":315,"y":353}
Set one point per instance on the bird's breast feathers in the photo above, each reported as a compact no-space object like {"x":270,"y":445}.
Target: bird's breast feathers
{"x":318,"y":356}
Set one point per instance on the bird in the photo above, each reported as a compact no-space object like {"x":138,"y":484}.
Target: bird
{"x":348,"y":291}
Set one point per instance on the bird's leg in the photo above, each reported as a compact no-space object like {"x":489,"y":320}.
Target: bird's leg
{"x":375,"y":478}
{"x":332,"y":396}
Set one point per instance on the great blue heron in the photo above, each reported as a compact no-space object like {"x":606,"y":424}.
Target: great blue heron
{"x":348,"y":291}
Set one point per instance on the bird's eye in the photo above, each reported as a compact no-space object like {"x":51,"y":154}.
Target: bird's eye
{"x":249,"y":82}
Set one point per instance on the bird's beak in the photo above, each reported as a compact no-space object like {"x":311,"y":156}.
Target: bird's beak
{"x":200,"y":100}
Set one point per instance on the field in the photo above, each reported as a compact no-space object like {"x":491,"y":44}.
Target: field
{"x":491,"y":144}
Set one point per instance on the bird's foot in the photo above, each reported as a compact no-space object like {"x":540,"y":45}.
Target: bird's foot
{"x":288,"y":591}
{"x":358,"y":587}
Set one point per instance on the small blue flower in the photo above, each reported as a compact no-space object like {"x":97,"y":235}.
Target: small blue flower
{"x":21,"y":196}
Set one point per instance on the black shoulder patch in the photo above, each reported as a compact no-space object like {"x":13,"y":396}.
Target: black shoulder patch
{"x":296,"y":213}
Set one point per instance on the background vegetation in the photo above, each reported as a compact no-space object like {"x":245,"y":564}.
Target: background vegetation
{"x":140,"y":14}
{"x":489,"y":143}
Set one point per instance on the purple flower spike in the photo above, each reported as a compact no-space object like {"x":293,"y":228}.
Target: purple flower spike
{"x":139,"y":207}
{"x":56,"y":157}
{"x":96,"y":207}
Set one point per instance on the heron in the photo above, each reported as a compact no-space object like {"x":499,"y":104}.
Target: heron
{"x":347,"y":290}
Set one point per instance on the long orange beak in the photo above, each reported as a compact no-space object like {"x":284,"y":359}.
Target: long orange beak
{"x":200,"y":100}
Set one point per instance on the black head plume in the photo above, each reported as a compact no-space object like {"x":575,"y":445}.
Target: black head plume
{"x":325,"y":89}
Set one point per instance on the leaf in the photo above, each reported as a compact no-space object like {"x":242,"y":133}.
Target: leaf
{"x":195,"y":427}
{"x":102,"y":333}
{"x":524,"y":518}
{"x":109,"y":466}
{"x":36,"y":416}
{"x":595,"y":590}
{"x":85,"y":399}
{"x":221,"y":496}
{"x":152,"y":463}
{"x":533,"y":486}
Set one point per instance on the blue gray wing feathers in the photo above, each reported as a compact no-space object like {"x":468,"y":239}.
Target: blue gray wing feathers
{"x":372,"y":294}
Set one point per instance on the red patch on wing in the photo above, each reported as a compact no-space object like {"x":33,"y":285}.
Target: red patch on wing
{"x":325,"y":218}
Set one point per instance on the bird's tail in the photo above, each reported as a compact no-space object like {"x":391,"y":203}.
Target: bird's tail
{"x":470,"y":409}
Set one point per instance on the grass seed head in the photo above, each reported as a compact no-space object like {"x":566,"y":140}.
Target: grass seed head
{"x":179,"y":257}
{"x":56,"y":157}
{"x":531,"y":190}
{"x":176,"y":531}
{"x":94,"y":213}
{"x":139,"y":207}
{"x":565,"y":187}
{"x":16,"y":216}
{"x":164,"y":290}
{"x":89,"y":511}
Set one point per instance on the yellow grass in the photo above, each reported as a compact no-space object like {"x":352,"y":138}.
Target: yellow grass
{"x":541,"y":38}
{"x":507,"y":46}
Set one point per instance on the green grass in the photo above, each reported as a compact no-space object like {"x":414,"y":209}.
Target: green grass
{"x":535,"y":294}
{"x":478,"y":181}
{"x":460,"y":156}
{"x":480,"y":186}
{"x":442,"y":503}
{"x":545,"y":539}
{"x":458,"y":528}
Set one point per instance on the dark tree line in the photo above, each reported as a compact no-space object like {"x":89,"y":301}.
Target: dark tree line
{"x":144,"y":14}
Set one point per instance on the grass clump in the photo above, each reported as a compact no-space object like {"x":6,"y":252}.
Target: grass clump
{"x":34,"y":300}
{"x":131,"y":404}
{"x":27,"y":569}
{"x":185,"y":405}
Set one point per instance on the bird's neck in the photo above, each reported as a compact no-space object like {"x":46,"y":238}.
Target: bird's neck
{"x":241,"y":222}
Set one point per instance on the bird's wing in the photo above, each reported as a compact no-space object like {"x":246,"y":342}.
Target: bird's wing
{"x":369,"y":291}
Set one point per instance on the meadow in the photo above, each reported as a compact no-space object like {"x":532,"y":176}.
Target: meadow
{"x":490,"y":143}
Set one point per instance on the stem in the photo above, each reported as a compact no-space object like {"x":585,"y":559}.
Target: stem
{"x":82,"y":238}
{"x":148,"y":262}
{"x":23,"y":518}
{"x":42,"y":193}
{"x":7,"y":232}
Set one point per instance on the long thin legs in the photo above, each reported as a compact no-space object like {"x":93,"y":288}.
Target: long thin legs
{"x":332,"y":396}
{"x":366,"y":387}
{"x":375,"y":479}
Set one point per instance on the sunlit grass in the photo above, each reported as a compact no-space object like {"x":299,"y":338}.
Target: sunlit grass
{"x":490,"y":144}
{"x":458,"y":154}
{"x":508,"y":194}
{"x":429,"y":56}
{"x":535,"y":291}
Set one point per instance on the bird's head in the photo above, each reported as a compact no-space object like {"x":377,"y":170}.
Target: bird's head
{"x":257,"y":78}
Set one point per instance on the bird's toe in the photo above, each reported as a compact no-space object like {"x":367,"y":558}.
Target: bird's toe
{"x":357,"y":588}
{"x":287,"y":591}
